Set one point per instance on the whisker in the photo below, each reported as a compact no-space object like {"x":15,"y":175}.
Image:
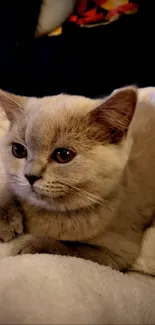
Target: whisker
{"x":92,"y":197}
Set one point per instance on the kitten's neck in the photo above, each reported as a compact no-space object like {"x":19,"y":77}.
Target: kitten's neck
{"x":80,"y":225}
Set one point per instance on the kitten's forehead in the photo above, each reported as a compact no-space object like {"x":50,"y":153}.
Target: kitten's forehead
{"x":48,"y":115}
{"x":56,"y":105}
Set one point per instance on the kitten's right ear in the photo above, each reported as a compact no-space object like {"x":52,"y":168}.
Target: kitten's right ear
{"x":112,"y":118}
{"x":13,"y":105}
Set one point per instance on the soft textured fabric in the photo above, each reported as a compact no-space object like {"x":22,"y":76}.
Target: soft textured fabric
{"x":44,"y":289}
{"x":88,"y":13}
{"x":91,"y":13}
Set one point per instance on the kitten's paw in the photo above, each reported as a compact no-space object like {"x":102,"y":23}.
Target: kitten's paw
{"x":6,"y":233}
{"x":41,"y":245}
{"x":11,"y":223}
{"x":11,"y":230}
{"x":18,"y":245}
{"x":31,"y":248}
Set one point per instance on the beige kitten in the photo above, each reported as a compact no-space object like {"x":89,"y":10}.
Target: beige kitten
{"x":82,"y":172}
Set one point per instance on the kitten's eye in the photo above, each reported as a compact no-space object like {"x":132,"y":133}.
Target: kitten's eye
{"x":63,"y":155}
{"x":19,"y":151}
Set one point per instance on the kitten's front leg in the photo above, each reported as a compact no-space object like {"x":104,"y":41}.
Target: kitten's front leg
{"x":11,"y":221}
{"x":120,"y":257}
{"x":51,"y":246}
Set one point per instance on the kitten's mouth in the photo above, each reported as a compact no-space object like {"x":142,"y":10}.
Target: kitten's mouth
{"x":45,"y":196}
{"x":38,"y":194}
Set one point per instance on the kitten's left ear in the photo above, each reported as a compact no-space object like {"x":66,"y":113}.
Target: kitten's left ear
{"x":13,"y":105}
{"x":112,"y":118}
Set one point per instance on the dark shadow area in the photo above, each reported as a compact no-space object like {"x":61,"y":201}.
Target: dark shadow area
{"x":86,"y":61}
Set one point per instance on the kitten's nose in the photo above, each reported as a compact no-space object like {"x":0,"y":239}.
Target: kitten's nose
{"x":32,"y":178}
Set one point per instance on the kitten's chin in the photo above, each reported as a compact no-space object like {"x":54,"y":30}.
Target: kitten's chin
{"x":40,"y":201}
{"x":45,"y":204}
{"x":51,"y":204}
{"x":58,"y":204}
{"x":55,"y":205}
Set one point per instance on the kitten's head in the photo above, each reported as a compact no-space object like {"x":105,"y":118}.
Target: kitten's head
{"x":67,"y":152}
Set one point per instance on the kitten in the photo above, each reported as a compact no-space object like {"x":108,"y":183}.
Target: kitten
{"x":82,"y":173}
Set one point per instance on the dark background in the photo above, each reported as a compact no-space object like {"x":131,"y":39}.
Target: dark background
{"x":89,"y":62}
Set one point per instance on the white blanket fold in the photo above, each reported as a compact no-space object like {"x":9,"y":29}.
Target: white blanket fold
{"x":44,"y":289}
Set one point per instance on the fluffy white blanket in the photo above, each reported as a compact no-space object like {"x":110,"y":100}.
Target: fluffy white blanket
{"x":46,"y":289}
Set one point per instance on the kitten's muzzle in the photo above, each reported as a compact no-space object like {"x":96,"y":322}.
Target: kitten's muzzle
{"x":32,"y":178}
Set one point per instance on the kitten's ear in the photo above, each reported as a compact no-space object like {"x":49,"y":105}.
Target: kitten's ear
{"x":112,"y":118}
{"x":13,"y":105}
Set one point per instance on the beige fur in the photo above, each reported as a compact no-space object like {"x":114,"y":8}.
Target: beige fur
{"x":105,"y":197}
